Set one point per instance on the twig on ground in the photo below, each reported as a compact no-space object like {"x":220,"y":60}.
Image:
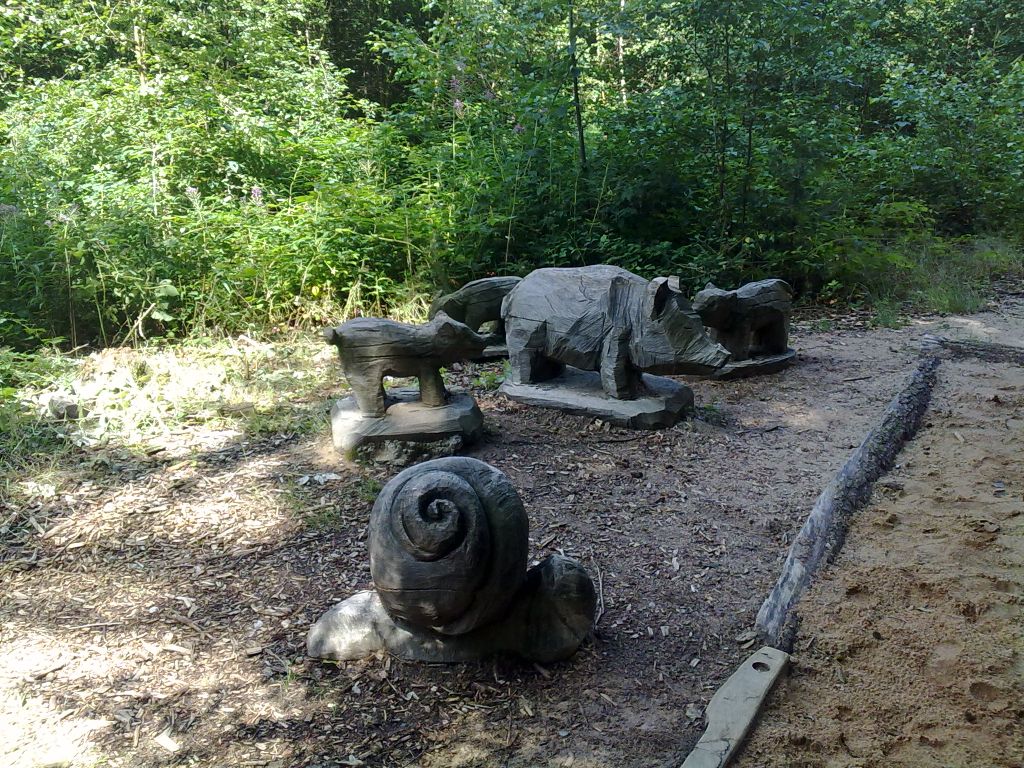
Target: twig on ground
{"x":600,"y":591}
{"x":634,"y":438}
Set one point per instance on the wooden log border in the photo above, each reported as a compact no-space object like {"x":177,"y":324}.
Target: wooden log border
{"x":825,"y":529}
{"x":982,"y":350}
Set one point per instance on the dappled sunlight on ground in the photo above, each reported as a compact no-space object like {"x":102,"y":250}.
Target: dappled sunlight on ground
{"x":34,"y":730}
{"x":909,"y":645}
{"x":157,"y":595}
{"x":1000,"y":324}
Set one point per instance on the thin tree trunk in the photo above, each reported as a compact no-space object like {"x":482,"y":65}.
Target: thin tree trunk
{"x":139,"y":39}
{"x":723,"y":147}
{"x":576,"y":88}
{"x":620,"y":52}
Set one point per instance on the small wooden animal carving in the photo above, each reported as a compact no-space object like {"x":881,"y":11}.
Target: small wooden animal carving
{"x":371,"y":348}
{"x":449,"y":547}
{"x":751,"y":321}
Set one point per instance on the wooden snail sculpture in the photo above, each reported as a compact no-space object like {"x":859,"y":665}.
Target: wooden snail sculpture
{"x":448,"y":553}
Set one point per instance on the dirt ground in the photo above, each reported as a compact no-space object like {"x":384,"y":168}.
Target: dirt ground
{"x":154,"y":610}
{"x":911,"y":645}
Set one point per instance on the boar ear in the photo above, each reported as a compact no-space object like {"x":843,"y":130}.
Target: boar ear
{"x":658,"y":292}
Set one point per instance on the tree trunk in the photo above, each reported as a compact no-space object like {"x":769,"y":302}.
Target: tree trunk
{"x":576,"y":88}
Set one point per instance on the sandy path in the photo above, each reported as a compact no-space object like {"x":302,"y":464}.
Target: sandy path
{"x":911,"y":646}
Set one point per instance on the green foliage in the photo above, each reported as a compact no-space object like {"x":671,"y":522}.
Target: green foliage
{"x":490,"y":377}
{"x":22,"y":375}
{"x":192,"y":166}
{"x":368,"y":488}
{"x":170,"y":168}
{"x":886,"y":314}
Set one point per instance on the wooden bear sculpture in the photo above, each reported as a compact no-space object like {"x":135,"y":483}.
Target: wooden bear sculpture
{"x":371,"y":348}
{"x":603,"y":318}
{"x":477,"y":303}
{"x":751,"y":321}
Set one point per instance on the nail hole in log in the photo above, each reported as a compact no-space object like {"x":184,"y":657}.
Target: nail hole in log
{"x":760,"y":666}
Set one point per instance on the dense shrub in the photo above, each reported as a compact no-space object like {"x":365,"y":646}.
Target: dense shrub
{"x":169,"y":165}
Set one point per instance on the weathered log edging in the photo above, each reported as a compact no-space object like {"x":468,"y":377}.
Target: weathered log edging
{"x":825,"y":529}
{"x":818,"y":541}
{"x":982,"y":350}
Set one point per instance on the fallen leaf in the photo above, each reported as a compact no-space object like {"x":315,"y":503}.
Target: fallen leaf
{"x":165,"y":741}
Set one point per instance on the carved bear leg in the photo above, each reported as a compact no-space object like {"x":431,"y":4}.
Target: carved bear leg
{"x":736,"y":339}
{"x":529,"y":366}
{"x":537,"y":368}
{"x":622,"y":383}
{"x":519,"y":363}
{"x":432,"y":390}
{"x":368,"y":389}
{"x":771,"y":338}
{"x":619,"y":379}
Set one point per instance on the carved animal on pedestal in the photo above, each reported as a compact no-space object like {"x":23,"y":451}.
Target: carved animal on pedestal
{"x":449,"y":542}
{"x":751,"y":321}
{"x":448,"y":545}
{"x":603,"y":318}
{"x":371,"y":348}
{"x":478,"y":302}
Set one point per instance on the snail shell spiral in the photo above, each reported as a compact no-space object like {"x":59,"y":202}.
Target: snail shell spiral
{"x":448,"y":544}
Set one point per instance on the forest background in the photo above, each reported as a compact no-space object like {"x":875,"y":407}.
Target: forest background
{"x":175,"y":167}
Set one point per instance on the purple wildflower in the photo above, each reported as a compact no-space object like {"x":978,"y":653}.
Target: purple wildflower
{"x":459,"y":106}
{"x":518,"y":128}
{"x":192,"y":193}
{"x":256,"y":194}
{"x":65,"y":217}
{"x":455,"y":85}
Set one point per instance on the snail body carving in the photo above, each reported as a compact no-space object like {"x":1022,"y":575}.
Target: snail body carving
{"x":449,"y":541}
{"x":448,"y":544}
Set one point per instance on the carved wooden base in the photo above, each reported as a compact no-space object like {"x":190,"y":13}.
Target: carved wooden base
{"x":548,"y":619}
{"x":579,"y":392}
{"x":407,"y":420}
{"x":755,"y":366}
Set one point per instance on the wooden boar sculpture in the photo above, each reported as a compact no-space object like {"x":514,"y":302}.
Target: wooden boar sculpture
{"x":371,"y":348}
{"x":603,"y":318}
{"x":449,"y":547}
{"x":752,"y":321}
{"x":477,"y":303}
